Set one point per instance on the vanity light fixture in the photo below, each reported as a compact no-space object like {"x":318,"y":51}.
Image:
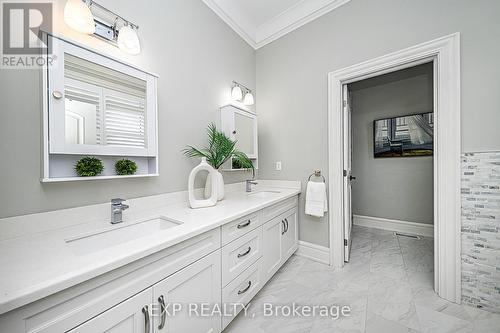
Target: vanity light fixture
{"x":237,"y":94}
{"x":79,"y":15}
{"x":248,"y":100}
{"x":128,"y":40}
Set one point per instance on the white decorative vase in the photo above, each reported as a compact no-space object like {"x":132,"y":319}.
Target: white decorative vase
{"x":220,"y":185}
{"x":210,"y":200}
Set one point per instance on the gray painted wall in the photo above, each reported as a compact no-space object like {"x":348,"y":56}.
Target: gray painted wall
{"x":196,"y":56}
{"x":393,"y":188}
{"x":292,"y":78}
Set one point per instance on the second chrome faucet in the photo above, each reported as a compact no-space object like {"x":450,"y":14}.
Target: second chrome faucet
{"x":249,"y":184}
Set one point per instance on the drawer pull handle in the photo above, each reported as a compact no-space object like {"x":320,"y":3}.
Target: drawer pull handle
{"x":163,"y":313}
{"x":246,"y":224}
{"x":286,"y":225}
{"x":145,"y":311}
{"x":283,"y":229}
{"x":245,"y":253}
{"x":246,"y":288}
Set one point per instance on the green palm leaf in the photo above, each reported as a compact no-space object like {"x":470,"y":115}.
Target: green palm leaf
{"x":219,"y":150}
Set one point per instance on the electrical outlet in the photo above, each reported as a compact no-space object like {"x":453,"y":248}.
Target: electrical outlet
{"x":278,"y":166}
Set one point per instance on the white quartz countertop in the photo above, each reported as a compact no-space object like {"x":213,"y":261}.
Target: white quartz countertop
{"x":38,"y":265}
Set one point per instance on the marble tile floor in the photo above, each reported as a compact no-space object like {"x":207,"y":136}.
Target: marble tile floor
{"x":388,"y":286}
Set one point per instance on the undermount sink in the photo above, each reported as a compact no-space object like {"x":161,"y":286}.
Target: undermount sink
{"x":118,"y":234}
{"x":263,"y":194}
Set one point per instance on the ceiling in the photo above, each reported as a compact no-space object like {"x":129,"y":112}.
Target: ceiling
{"x":260,"y":22}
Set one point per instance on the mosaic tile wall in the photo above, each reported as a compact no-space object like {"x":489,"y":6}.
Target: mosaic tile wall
{"x":481,"y":230}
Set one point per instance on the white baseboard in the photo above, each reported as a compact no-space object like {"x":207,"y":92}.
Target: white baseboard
{"x":315,"y":252}
{"x":413,"y":228}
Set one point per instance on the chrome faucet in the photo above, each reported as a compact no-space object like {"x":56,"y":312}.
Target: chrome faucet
{"x":117,"y":208}
{"x":249,"y":183}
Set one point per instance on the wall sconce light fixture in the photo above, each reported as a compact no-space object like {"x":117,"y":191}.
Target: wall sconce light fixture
{"x":78,"y":15}
{"x":128,"y":40}
{"x":237,"y":94}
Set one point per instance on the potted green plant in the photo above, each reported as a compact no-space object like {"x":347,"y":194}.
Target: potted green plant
{"x":125,"y":167}
{"x":219,"y":150}
{"x":89,"y":167}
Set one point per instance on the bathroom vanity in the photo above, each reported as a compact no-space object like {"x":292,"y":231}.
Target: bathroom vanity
{"x":96,"y":277}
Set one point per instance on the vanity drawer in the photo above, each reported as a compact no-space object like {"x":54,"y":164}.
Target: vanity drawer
{"x":239,"y":227}
{"x":241,"y":291}
{"x":279,"y":208}
{"x":240,"y":254}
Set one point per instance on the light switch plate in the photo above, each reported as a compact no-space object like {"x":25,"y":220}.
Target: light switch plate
{"x":278,"y":166}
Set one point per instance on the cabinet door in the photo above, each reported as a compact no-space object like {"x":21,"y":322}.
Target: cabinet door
{"x":196,"y":285}
{"x":272,"y":247}
{"x":130,"y":316}
{"x":245,"y":132}
{"x":290,"y":236}
{"x":241,"y":125}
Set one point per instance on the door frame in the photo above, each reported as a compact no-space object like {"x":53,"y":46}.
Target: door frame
{"x":444,"y":52}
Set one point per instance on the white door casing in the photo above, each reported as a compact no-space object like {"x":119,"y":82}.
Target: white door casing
{"x":445,"y":53}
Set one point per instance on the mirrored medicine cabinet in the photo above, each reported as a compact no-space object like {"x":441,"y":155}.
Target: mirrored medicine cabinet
{"x":97,"y":106}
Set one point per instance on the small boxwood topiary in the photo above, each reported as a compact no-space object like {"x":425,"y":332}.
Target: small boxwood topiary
{"x":89,"y":167}
{"x":125,"y":167}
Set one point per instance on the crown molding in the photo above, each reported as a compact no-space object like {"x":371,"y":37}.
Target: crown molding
{"x":232,"y":23}
{"x":292,"y":18}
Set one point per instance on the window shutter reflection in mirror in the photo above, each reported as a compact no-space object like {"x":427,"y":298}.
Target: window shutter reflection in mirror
{"x":125,"y":118}
{"x":103,"y":106}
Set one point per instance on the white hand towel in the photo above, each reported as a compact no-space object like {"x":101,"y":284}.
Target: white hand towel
{"x":316,"y":201}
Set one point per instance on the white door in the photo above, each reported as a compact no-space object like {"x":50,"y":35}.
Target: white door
{"x":130,"y":316}
{"x":348,"y":177}
{"x":271,"y":246}
{"x":290,"y":234}
{"x":197,"y":285}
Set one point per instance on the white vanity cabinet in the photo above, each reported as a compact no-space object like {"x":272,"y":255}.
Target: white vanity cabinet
{"x":155,"y":309}
{"x":280,"y":238}
{"x":191,"y":288}
{"x":272,"y":248}
{"x":290,"y":235}
{"x":201,"y":276}
{"x":130,"y":316}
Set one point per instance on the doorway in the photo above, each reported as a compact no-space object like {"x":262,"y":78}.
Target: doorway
{"x":388,"y":147}
{"x":444,"y":53}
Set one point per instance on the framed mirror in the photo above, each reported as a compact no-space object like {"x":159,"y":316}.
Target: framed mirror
{"x":97,"y":105}
{"x":240,"y":125}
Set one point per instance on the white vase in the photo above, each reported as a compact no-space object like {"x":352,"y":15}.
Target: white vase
{"x":211,"y":200}
{"x":220,"y":185}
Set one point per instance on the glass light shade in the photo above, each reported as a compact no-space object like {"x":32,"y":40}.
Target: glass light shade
{"x":248,"y":100}
{"x":78,"y":16}
{"x":128,"y":40}
{"x":236,"y":93}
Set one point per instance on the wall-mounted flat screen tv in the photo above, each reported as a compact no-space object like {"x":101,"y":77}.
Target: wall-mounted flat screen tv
{"x":404,"y":136}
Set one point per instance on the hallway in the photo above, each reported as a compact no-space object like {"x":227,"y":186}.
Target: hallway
{"x":387,"y":284}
